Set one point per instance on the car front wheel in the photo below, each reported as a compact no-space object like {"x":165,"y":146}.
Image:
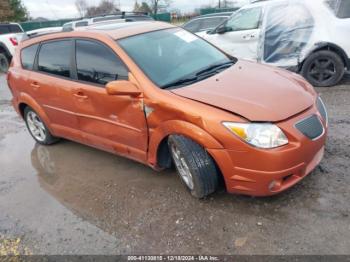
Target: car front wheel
{"x":37,"y":128}
{"x":194,"y":165}
{"x":323,"y":68}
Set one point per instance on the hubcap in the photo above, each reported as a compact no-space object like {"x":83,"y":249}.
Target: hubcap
{"x":182,"y":166}
{"x":36,"y":126}
{"x":322,"y":69}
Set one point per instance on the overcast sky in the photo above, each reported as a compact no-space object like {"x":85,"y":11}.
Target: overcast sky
{"x":55,"y":9}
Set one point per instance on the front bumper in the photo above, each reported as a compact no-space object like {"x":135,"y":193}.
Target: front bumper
{"x":258,"y":172}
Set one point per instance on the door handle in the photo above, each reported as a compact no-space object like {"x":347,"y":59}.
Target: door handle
{"x":249,"y":36}
{"x":80,"y":95}
{"x":35,"y":85}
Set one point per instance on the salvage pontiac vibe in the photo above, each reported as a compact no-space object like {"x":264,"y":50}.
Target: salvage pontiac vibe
{"x":159,"y":95}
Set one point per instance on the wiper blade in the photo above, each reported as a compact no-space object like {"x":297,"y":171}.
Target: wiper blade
{"x":181,"y":82}
{"x":202,"y":74}
{"x":215,"y":67}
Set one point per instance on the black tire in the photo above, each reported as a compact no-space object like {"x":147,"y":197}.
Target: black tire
{"x":204,"y":173}
{"x":323,"y":68}
{"x":4,"y":63}
{"x":49,"y":139}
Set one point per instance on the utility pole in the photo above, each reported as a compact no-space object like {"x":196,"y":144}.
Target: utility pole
{"x":219,"y":3}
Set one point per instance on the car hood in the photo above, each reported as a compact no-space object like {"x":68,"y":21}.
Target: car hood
{"x":254,"y":91}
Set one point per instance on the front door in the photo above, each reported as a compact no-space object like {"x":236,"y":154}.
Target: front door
{"x":113,"y":123}
{"x":240,"y":34}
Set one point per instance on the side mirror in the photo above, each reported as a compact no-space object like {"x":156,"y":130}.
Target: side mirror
{"x":122,"y":88}
{"x":221,"y":30}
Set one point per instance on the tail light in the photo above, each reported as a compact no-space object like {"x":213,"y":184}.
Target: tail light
{"x":14,"y":41}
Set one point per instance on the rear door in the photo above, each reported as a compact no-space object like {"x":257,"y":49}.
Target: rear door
{"x":52,"y":87}
{"x":114,"y":123}
{"x":240,"y":35}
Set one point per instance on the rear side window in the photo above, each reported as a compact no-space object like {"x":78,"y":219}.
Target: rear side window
{"x":54,"y":58}
{"x":193,"y":26}
{"x":15,"y":29}
{"x":98,"y":64}
{"x":67,"y":27}
{"x":28,"y":56}
{"x":4,"y":29}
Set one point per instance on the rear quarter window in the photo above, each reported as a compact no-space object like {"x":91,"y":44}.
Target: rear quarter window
{"x":28,"y":56}
{"x":15,"y":29}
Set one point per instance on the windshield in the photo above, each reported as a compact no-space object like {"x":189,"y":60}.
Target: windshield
{"x":170,"y":55}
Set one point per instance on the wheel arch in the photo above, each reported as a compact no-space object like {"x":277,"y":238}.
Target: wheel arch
{"x":24,"y":100}
{"x":5,"y":50}
{"x":159,"y":155}
{"x":330,"y":47}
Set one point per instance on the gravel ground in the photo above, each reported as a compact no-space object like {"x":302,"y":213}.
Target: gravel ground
{"x":72,"y":199}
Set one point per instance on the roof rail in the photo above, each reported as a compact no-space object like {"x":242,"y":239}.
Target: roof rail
{"x":122,"y":13}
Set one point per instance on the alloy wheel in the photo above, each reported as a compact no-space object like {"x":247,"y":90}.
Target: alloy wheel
{"x":322,"y":69}
{"x":182,"y":166}
{"x":36,"y":126}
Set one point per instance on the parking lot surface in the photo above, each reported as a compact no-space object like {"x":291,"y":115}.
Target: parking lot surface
{"x":72,"y":199}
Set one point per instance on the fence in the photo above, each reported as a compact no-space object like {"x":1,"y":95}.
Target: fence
{"x":27,"y":26}
{"x":206,"y":11}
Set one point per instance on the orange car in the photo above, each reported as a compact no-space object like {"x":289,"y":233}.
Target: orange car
{"x":159,"y":95}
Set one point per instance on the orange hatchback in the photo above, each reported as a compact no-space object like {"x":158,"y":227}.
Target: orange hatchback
{"x":159,"y":95}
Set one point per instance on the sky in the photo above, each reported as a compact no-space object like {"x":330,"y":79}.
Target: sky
{"x":56,"y":9}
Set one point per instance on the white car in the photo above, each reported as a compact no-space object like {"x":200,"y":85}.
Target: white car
{"x":117,"y":18}
{"x":41,"y":31}
{"x":10,"y":35}
{"x":308,"y":37}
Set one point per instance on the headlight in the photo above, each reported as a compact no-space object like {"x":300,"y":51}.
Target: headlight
{"x":262,"y":135}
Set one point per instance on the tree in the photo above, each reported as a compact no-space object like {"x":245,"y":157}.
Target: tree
{"x":18,"y":12}
{"x":82,"y":7}
{"x":144,"y":7}
{"x":136,"y":7}
{"x":104,"y":7}
{"x":157,"y":5}
{"x":5,"y":10}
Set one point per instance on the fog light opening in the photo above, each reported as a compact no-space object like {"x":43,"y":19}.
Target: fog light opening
{"x":274,"y":185}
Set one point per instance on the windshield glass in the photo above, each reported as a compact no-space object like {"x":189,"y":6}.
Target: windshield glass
{"x":169,"y":55}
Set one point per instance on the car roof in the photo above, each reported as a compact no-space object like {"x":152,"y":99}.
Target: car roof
{"x":113,"y":30}
{"x":123,"y":30}
{"x":273,"y":2}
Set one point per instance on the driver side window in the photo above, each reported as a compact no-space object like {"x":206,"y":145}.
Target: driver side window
{"x":246,"y":19}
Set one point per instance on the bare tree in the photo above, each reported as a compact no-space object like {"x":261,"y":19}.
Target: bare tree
{"x":157,"y":5}
{"x":82,"y":7}
{"x":104,"y":7}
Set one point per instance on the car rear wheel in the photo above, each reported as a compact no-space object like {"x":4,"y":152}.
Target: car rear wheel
{"x":194,"y":165}
{"x":323,"y":68}
{"x":4,"y":63}
{"x":37,"y":128}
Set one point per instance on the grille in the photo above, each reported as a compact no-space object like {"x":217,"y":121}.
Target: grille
{"x":311,"y":127}
{"x":322,"y":109}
